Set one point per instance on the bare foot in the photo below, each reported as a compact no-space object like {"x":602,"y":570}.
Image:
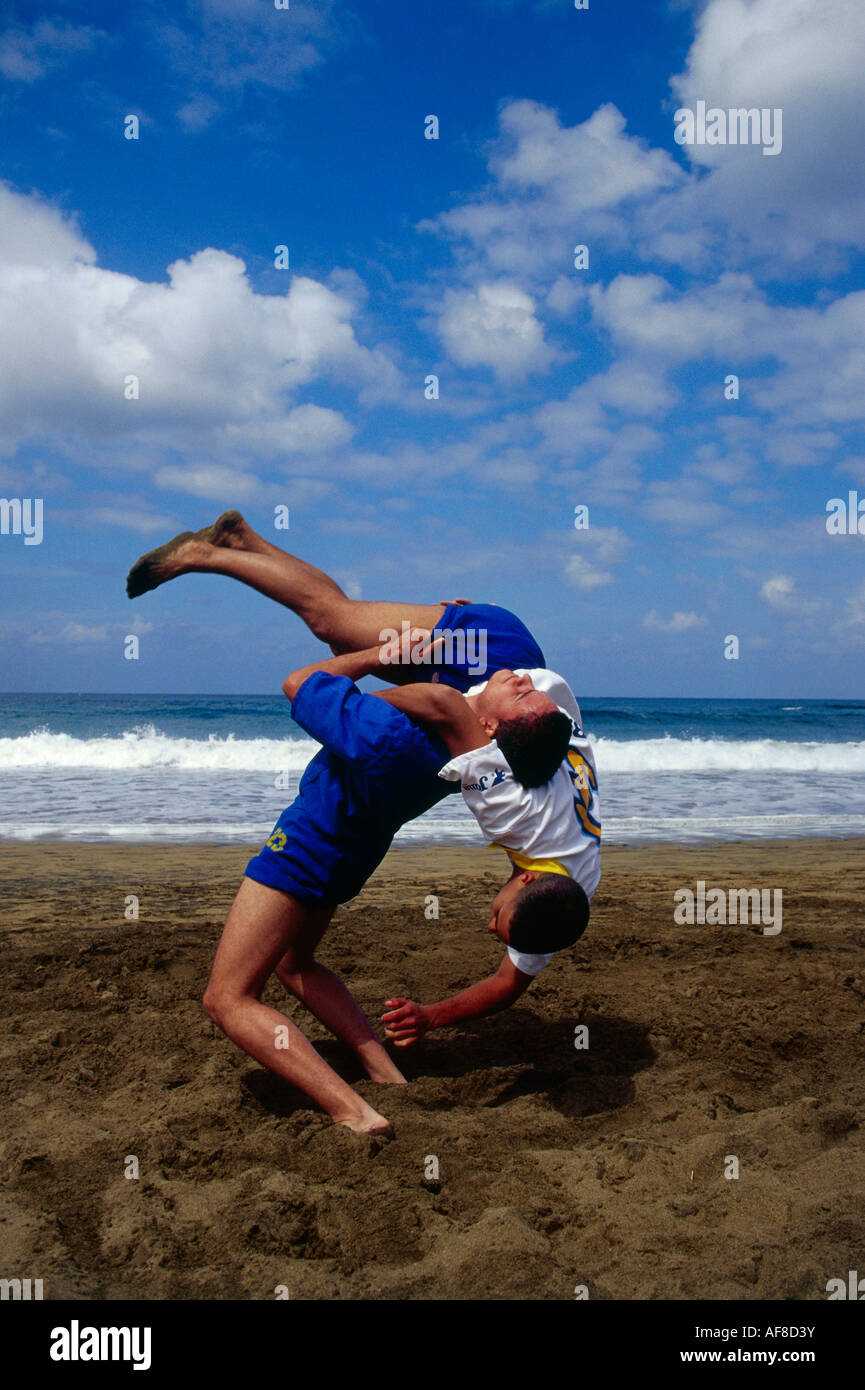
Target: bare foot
{"x":366,"y":1121}
{"x":177,"y":556}
{"x":229,"y":531}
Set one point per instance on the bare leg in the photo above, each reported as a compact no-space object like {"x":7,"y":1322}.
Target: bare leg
{"x":262,"y":926}
{"x":232,"y":548}
{"x":326,"y":996}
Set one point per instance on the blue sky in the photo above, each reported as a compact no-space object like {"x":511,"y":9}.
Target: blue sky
{"x":558,"y":386}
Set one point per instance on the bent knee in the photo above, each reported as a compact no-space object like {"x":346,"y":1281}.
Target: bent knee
{"x":327,"y":620}
{"x":217,"y":1005}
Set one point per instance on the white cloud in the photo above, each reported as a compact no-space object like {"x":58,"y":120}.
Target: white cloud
{"x":217,"y":364}
{"x":778,"y":591}
{"x":580,"y":572}
{"x":565,"y":294}
{"x":223,"y":46}
{"x":759,"y":531}
{"x":77,"y":634}
{"x":208,"y":480}
{"x":726,"y":319}
{"x":592,"y":165}
{"x":805,"y":57}
{"x":34,"y":233}
{"x":724,"y":469}
{"x":854,"y":609}
{"x":552,"y":186}
{"x":854,"y":465}
{"x":588,"y":423}
{"x":515,"y":468}
{"x":800,"y":448}
{"x":307,"y":429}
{"x":684,"y":503}
{"x":597,"y":547}
{"x":549,"y":179}
{"x":132,"y":518}
{"x":822,"y":352}
{"x":494,"y":326}
{"x":80,"y":633}
{"x":26,"y":54}
{"x":611,"y":480}
{"x":197,"y":113}
{"x":818,"y":377}
{"x":679,"y":622}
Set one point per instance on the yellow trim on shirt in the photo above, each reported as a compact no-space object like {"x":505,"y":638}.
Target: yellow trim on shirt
{"x":538,"y":866}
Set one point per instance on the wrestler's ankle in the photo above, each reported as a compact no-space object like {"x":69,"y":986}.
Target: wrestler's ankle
{"x":385,"y":1073}
{"x":378,"y":1066}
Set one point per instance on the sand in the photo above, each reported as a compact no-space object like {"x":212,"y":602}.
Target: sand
{"x":557,"y":1166}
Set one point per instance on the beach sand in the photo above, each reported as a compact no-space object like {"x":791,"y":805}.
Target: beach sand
{"x":558,"y":1167}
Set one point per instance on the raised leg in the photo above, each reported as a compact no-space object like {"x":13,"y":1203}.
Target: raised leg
{"x":262,"y":927}
{"x":232,"y":548}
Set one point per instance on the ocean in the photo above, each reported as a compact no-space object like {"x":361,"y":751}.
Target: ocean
{"x":220,"y":768}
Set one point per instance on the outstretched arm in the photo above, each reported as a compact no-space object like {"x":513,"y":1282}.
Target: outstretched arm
{"x":407,"y":1022}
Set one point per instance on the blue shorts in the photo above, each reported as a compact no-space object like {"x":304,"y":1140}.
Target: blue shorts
{"x":483,"y":639}
{"x":375,"y":771}
{"x":301,"y":858}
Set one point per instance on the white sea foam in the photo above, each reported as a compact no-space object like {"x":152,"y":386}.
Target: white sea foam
{"x":145,"y":747}
{"x":460,"y":829}
{"x":726,"y":755}
{"x":145,"y":831}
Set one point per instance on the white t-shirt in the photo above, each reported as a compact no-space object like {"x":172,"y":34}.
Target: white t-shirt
{"x":560,"y":821}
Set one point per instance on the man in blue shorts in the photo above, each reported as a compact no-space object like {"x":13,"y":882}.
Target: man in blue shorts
{"x":376,"y":770}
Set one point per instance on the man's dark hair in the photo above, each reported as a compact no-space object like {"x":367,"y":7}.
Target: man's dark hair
{"x":535,"y":745}
{"x":550,"y":913}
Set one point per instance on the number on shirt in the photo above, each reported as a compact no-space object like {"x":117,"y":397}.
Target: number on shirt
{"x":585,"y":782}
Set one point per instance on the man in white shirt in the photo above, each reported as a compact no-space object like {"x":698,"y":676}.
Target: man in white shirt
{"x":551,"y":834}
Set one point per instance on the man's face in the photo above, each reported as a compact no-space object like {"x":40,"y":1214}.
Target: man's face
{"x":503,"y":906}
{"x":509,"y":696}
